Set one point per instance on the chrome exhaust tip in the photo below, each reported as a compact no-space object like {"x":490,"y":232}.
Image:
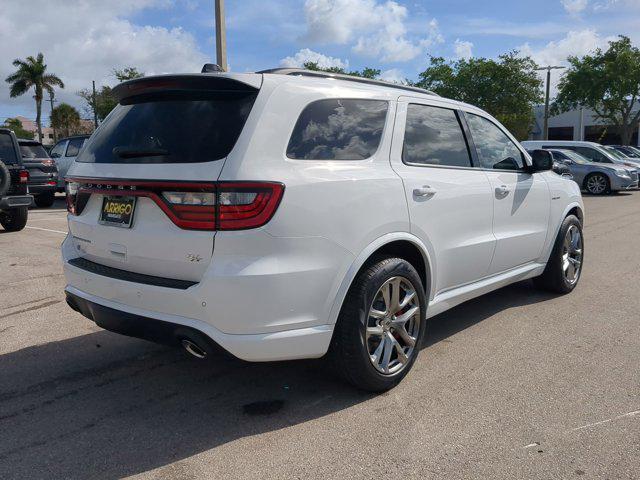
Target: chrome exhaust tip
{"x":193,"y":349}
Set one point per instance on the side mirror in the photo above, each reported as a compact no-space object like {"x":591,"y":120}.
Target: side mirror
{"x":542,"y":161}
{"x":55,"y":155}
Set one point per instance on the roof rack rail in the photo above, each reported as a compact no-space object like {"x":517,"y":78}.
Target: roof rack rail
{"x":303,"y":72}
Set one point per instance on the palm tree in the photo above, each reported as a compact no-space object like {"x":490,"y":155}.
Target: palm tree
{"x":32,"y":72}
{"x":65,"y":119}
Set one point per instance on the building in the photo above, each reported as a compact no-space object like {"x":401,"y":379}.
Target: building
{"x":579,"y":124}
{"x":86,"y":126}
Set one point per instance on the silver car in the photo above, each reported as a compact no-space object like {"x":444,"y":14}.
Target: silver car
{"x":596,"y":178}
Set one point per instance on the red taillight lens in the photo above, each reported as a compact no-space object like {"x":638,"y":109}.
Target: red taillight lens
{"x":48,"y":163}
{"x":191,"y":205}
{"x":24,"y":176}
{"x":247,"y":205}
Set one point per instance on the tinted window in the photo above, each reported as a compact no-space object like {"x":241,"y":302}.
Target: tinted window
{"x":591,"y":153}
{"x":75,"y":144}
{"x":338,"y":129}
{"x":7,"y":150}
{"x":433,"y":136}
{"x":58,"y":150}
{"x":196,"y":127}
{"x":495,"y":149}
{"x":33,"y":150}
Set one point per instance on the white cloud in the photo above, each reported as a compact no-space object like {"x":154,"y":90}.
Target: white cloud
{"x":83,"y":40}
{"x":463,"y":49}
{"x":574,"y":6}
{"x":307,"y":55}
{"x":393,"y":75}
{"x":555,"y":53}
{"x":609,"y":4}
{"x":375,"y":29}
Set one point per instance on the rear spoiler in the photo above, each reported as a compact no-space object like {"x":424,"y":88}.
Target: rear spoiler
{"x":214,"y":83}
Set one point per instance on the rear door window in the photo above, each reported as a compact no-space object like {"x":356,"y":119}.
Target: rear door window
{"x":58,"y":150}
{"x":75,"y":144}
{"x":433,"y":136}
{"x":495,"y":149}
{"x":185,"y":128}
{"x":338,"y":129}
{"x":7,"y":149}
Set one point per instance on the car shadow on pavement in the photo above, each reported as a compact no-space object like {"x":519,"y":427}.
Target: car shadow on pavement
{"x":105,"y":406}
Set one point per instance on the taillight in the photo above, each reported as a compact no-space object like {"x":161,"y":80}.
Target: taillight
{"x":191,"y":205}
{"x":23,"y":176}
{"x":48,"y":162}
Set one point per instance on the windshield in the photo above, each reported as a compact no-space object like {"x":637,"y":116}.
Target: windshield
{"x":33,"y":150}
{"x":196,"y":127}
{"x":614,"y":153}
{"x":7,"y":151}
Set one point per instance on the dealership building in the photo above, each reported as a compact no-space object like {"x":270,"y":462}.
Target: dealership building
{"x":579,"y":124}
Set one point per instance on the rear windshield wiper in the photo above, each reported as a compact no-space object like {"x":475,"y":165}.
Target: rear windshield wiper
{"x":123,"y":152}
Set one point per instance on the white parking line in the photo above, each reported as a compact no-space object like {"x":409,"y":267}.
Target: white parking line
{"x":47,"y":230}
{"x":589,"y":425}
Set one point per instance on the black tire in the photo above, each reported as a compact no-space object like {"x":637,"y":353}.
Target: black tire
{"x":45,"y":200}
{"x":349,"y":352}
{"x":601,"y":176}
{"x":15,"y":219}
{"x":553,"y":278}
{"x":5,"y":178}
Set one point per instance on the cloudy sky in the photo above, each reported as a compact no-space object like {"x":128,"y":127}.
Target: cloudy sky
{"x":84,"y":40}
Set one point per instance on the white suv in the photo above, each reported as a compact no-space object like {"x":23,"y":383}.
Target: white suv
{"x":288,"y":214}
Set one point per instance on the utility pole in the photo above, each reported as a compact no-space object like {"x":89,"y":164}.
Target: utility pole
{"x":93,"y":101}
{"x":55,"y":135}
{"x":221,"y":37}
{"x":545,"y":128}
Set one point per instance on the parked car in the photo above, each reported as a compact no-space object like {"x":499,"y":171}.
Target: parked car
{"x":64,"y":153}
{"x":43,"y":173}
{"x":340,"y":229}
{"x":593,"y":151}
{"x":14,"y":197}
{"x":625,"y":159}
{"x":596,"y":178}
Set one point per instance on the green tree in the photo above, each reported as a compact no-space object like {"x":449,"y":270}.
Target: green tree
{"x":608,"y":82}
{"x":105,"y":101}
{"x":127,"y":73}
{"x":32,"y":72}
{"x":364,"y":73}
{"x":15,"y":125}
{"x":66,"y":120}
{"x":508,"y":87}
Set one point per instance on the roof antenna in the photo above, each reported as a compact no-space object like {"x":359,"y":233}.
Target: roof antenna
{"x":211,"y":68}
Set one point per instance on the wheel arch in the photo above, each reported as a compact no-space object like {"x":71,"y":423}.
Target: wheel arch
{"x":596,"y":172}
{"x":403,"y":245}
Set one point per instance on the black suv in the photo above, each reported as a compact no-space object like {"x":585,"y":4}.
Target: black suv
{"x":43,"y":173}
{"x":14,"y":198}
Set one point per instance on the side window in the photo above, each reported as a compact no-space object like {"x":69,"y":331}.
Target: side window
{"x":7,"y":150}
{"x":58,"y":150}
{"x":338,"y":129}
{"x":433,"y":136}
{"x":592,"y":154}
{"x":75,"y":144}
{"x":495,"y":149}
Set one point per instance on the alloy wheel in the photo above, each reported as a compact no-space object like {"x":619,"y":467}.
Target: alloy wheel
{"x":596,"y":184}
{"x":393,"y":324}
{"x":572,"y":254}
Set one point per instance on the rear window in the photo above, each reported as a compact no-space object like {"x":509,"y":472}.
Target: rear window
{"x":33,"y":150}
{"x":7,"y":150}
{"x":338,"y":129}
{"x":187,"y":128}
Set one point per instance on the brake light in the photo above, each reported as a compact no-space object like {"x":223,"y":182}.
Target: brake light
{"x":48,"y":163}
{"x":191,"y":205}
{"x":24,"y":176}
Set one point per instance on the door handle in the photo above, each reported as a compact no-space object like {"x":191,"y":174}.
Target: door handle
{"x":502,"y":191}
{"x":424,"y":191}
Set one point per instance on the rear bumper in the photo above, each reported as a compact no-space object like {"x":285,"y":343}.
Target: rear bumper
{"x":311,"y":342}
{"x":16,"y":201}
{"x":42,"y":188}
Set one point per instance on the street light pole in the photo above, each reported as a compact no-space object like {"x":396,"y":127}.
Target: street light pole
{"x":55,"y":135}
{"x":545,"y":128}
{"x":221,"y":37}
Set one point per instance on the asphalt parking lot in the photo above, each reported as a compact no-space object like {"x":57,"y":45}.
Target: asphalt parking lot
{"x":516,"y":384}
